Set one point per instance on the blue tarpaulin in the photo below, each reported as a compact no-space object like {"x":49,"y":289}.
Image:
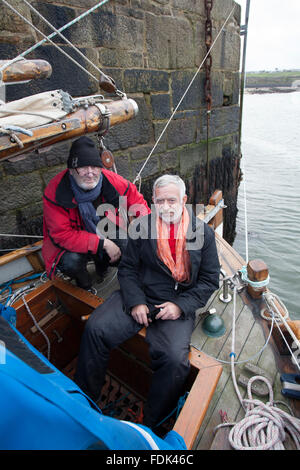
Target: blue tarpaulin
{"x":45,"y":410}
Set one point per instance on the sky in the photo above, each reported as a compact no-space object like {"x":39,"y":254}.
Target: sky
{"x":273,"y":40}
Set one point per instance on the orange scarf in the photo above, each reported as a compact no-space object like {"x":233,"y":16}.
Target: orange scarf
{"x":181,"y":269}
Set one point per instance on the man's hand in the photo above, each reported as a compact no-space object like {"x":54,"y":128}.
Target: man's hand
{"x":112,"y":250}
{"x":168,"y":311}
{"x":139,"y":313}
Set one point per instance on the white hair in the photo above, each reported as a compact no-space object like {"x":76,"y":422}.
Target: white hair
{"x":170,"y":179}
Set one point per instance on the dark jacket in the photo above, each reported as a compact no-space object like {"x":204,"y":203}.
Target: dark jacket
{"x":145,"y":279}
{"x":63,"y":227}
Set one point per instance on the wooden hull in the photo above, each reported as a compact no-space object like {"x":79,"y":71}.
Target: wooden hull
{"x":83,"y":121}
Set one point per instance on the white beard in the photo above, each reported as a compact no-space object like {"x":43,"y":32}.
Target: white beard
{"x":82,"y":184}
{"x":88,"y":187}
{"x":171,"y":216}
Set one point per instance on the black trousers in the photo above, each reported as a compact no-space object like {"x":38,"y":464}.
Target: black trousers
{"x":169,"y":343}
{"x":75,"y":264}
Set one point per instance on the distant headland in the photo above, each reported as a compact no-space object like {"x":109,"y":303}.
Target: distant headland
{"x":278,"y":81}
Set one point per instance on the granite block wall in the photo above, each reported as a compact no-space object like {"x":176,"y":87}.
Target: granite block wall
{"x":151,"y":48}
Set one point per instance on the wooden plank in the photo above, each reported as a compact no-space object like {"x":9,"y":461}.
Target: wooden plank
{"x":196,"y":405}
{"x":16,"y":254}
{"x":77,"y":293}
{"x":36,"y":262}
{"x":230,"y":260}
{"x":221,"y":439}
{"x":225,"y":398}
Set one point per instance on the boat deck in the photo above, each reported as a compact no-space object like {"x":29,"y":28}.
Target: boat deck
{"x":251,"y":332}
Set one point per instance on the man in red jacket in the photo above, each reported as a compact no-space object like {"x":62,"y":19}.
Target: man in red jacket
{"x":83,"y":215}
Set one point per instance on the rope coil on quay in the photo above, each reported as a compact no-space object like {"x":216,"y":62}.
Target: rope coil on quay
{"x":265,"y":426}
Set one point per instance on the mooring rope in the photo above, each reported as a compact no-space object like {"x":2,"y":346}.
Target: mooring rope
{"x":264,"y":426}
{"x":18,"y":235}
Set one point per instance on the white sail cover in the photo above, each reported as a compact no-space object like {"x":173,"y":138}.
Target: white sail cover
{"x":41,"y":108}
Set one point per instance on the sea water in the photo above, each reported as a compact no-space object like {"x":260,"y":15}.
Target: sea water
{"x":271,"y":190}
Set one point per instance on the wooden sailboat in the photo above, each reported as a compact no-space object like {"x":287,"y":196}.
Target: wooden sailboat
{"x":59,"y":309}
{"x":51,"y":316}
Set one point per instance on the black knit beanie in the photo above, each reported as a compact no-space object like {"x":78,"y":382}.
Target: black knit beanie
{"x":83,"y":152}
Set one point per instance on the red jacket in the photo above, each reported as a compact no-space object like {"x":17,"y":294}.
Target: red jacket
{"x":63,"y":228}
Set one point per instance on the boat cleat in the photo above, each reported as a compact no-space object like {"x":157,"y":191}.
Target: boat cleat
{"x":260,"y":388}
{"x":291,"y":385}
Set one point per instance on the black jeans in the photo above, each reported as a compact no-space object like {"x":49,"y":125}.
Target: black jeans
{"x":169,"y":344}
{"x":75,"y":264}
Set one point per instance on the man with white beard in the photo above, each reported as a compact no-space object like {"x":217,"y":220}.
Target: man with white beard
{"x":170,"y":269}
{"x":72,"y":203}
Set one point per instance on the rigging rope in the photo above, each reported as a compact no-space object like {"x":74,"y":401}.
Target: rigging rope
{"x":296,"y":361}
{"x":264,"y":425}
{"x":32,"y":48}
{"x":38,"y":326}
{"x":48,"y":39}
{"x":207,"y":87}
{"x":246,"y":215}
{"x":22,"y":236}
{"x":138,"y":177}
{"x":65,"y":39}
{"x":269,"y":298}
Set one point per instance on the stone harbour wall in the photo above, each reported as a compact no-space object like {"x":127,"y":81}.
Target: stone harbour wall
{"x":151,"y":48}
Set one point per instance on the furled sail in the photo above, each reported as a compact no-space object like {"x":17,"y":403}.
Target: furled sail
{"x":53,"y":116}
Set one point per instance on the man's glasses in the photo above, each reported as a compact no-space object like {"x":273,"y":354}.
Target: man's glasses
{"x":84,"y":170}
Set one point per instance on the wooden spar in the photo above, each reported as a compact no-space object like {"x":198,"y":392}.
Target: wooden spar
{"x":213,"y":212}
{"x":25,"y":70}
{"x":73,"y":125}
{"x":217,"y":221}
